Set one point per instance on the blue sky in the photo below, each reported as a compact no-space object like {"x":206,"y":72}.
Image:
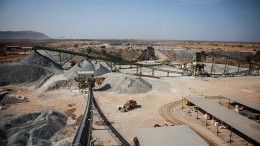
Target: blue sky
{"x":210,"y":20}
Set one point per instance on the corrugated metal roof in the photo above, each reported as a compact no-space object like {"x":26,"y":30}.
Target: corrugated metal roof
{"x":242,"y":124}
{"x":181,"y":135}
{"x":245,"y":102}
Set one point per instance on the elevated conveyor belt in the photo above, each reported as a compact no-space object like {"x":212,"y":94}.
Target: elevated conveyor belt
{"x":67,"y":52}
{"x":98,"y":55}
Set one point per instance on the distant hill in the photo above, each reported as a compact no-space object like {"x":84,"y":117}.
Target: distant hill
{"x":60,"y":37}
{"x":31,"y":35}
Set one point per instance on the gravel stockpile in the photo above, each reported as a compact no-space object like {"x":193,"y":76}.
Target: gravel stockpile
{"x":12,"y":100}
{"x":235,"y":54}
{"x":35,"y":69}
{"x":100,"y":70}
{"x":61,"y":80}
{"x":55,"y":82}
{"x":56,"y":56}
{"x":185,"y":54}
{"x":179,"y":54}
{"x":175,"y":54}
{"x":84,"y":65}
{"x":3,"y":94}
{"x":42,"y":61}
{"x":126,"y":84}
{"x":16,"y":74}
{"x":32,"y":128}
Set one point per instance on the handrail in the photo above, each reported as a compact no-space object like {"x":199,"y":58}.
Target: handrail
{"x":83,"y":135}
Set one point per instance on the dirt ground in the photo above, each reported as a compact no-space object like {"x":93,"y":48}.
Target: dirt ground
{"x":234,"y":46}
{"x":165,"y":90}
{"x":67,"y":101}
{"x":12,"y":57}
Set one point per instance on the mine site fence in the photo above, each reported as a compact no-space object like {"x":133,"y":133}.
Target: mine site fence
{"x":83,"y":135}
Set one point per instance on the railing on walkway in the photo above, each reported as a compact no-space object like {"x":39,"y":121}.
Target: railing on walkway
{"x":83,"y":135}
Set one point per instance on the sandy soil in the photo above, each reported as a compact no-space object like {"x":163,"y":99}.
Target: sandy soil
{"x":165,"y":90}
{"x":67,"y":101}
{"x":60,"y":100}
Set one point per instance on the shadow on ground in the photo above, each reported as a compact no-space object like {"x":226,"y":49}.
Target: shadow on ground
{"x":111,"y":127}
{"x":104,"y":88}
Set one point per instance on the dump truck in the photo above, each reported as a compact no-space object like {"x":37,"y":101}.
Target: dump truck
{"x":130,"y":104}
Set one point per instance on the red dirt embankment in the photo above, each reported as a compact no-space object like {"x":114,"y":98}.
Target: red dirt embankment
{"x":12,"y":57}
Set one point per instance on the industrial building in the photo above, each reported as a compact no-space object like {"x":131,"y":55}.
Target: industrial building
{"x":247,"y":129}
{"x":180,"y":135}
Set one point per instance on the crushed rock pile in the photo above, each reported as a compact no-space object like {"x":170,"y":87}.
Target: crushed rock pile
{"x":61,"y":80}
{"x":178,"y":54}
{"x":42,"y":61}
{"x":83,"y":65}
{"x":34,"y":69}
{"x":12,"y":100}
{"x":53,"y":83}
{"x":32,"y":129}
{"x":235,"y":54}
{"x":126,"y":84}
{"x":16,"y":74}
{"x":100,"y":70}
{"x":185,"y":53}
{"x":3,"y":94}
{"x":56,"y":55}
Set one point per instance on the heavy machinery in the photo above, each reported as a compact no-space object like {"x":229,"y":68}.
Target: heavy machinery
{"x":99,"y":80}
{"x":130,"y":104}
{"x":84,"y":83}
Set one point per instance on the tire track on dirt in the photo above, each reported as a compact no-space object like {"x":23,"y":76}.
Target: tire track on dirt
{"x":166,"y":111}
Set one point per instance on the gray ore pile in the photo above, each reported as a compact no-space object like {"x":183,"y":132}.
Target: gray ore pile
{"x":12,"y":100}
{"x":32,"y":129}
{"x":35,"y":69}
{"x":127,"y":84}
